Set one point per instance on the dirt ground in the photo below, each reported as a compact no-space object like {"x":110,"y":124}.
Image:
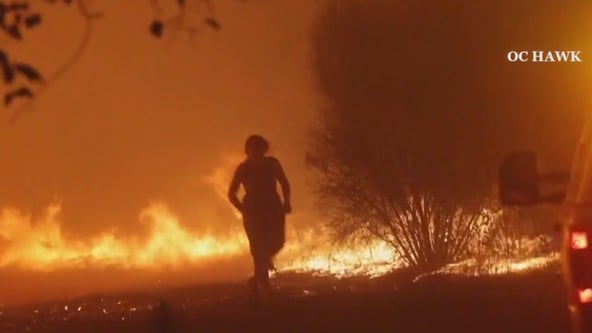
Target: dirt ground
{"x":521,"y":303}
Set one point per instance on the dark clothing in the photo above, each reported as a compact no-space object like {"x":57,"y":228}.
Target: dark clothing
{"x":265,"y":241}
{"x":259,"y":179}
{"x":266,"y":233}
{"x":264,"y":217}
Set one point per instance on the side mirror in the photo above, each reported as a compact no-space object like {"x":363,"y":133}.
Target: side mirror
{"x":521,"y":184}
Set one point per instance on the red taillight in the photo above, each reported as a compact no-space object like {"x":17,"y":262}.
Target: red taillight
{"x":585,"y":295}
{"x":579,"y":241}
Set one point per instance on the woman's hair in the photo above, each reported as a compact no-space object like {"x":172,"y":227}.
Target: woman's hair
{"x":256,"y":145}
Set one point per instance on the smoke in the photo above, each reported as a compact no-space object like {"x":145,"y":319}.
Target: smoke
{"x":138,"y":120}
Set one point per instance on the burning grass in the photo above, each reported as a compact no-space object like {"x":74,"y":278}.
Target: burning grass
{"x":41,"y":246}
{"x":172,"y":255}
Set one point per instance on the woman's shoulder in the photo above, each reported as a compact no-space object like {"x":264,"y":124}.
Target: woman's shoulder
{"x":272,"y":160}
{"x":241,"y":167}
{"x":267,"y":161}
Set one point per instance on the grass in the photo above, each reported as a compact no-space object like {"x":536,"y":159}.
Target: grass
{"x":532,"y":302}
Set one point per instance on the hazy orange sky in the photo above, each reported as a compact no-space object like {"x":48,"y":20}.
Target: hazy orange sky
{"x":138,"y":119}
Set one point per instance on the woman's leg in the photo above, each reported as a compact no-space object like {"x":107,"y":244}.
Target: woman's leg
{"x":251,"y":236}
{"x":261,"y":264}
{"x":276,"y":237}
{"x":259,"y":285}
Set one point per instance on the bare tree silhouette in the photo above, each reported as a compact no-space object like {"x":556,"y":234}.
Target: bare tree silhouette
{"x":17,"y":16}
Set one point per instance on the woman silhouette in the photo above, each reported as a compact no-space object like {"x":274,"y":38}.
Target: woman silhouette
{"x":264,"y":214}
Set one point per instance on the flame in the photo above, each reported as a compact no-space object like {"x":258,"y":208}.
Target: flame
{"x":303,"y":252}
{"x":471,"y":267}
{"x":305,"y":255}
{"x":219,"y":179}
{"x":41,"y":245}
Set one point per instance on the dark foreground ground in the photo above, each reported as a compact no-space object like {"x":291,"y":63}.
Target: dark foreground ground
{"x":525,"y":303}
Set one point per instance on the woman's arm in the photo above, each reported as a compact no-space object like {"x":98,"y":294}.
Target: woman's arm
{"x":232,"y":191}
{"x":285,"y":185}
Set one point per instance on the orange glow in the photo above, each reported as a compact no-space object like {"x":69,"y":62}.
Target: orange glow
{"x":41,"y":245}
{"x":314,"y":254}
{"x":579,"y":240}
{"x":585,"y":295}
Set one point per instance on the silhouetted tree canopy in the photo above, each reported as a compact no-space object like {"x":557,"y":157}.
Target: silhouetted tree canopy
{"x":420,"y":104}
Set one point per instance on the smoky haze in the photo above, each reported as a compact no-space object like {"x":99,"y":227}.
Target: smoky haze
{"x":137,"y":119}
